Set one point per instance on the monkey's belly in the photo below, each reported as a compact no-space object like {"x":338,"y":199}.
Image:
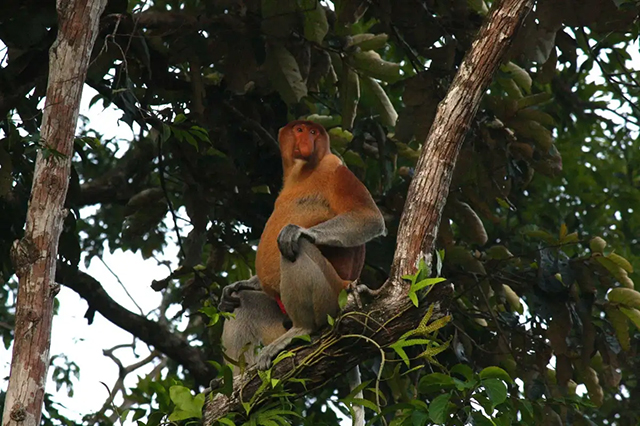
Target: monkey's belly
{"x":348,"y":261}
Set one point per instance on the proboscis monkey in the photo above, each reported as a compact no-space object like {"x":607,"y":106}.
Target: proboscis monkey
{"x":258,"y":319}
{"x":312,"y":246}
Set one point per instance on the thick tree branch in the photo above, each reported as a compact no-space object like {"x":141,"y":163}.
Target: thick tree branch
{"x":150,"y":332}
{"x":391,"y":314}
{"x":334,"y":353}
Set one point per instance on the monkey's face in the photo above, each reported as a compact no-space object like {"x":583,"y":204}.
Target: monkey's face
{"x":304,"y":140}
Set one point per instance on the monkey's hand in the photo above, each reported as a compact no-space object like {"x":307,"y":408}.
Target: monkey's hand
{"x":289,"y":241}
{"x":230,"y":301}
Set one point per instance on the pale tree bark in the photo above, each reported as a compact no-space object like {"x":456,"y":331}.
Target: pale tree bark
{"x":34,"y":256}
{"x":391,"y":314}
{"x":430,"y":186}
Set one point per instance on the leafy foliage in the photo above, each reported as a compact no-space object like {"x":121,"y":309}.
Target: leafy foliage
{"x":540,"y":232}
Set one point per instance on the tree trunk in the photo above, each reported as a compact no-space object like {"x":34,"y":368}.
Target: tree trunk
{"x":391,"y":314}
{"x":430,"y":186}
{"x":34,"y":256}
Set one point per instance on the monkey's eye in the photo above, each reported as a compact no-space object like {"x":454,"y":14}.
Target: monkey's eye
{"x":299,"y":129}
{"x":312,"y":131}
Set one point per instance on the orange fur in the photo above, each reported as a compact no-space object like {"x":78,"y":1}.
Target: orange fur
{"x":317,"y":187}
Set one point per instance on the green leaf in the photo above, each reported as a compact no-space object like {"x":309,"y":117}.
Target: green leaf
{"x":536,"y":99}
{"x":212,"y":313}
{"x":283,"y":355}
{"x":191,"y":140}
{"x":365,"y":403}
{"x":166,"y":132}
{"x":200,"y":133}
{"x":438,"y":409}
{"x":495,"y":373}
{"x":340,"y":138}
{"x":462,"y":369}
{"x":381,"y":103}
{"x":179,"y":134}
{"x":353,"y":159}
{"x":371,"y":64}
{"x":414,"y":298}
{"x":621,"y":262}
{"x":315,"y":24}
{"x":419,"y":418}
{"x":187,"y":406}
{"x":496,"y":390}
{"x":480,"y":420}
{"x":227,"y":380}
{"x":349,"y":96}
{"x":426,"y":283}
{"x":368,"y":41}
{"x":342,"y":298}
{"x":303,"y":338}
{"x":326,"y":121}
{"x":519,"y":75}
{"x":415,"y":288}
{"x":401,"y":353}
{"x":411,"y":278}
{"x":284,"y":74}
{"x":633,"y":314}
{"x":435,"y":382}
{"x":215,"y":153}
{"x":439,"y":261}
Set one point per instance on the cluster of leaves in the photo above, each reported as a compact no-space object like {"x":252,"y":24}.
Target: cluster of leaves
{"x":207,"y":84}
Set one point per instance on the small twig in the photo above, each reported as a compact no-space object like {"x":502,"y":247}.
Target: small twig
{"x":607,"y":76}
{"x":121,"y":284}
{"x":197,"y":86}
{"x":417,"y":65}
{"x":119,"y":384}
{"x":163,"y":185}
{"x":251,"y":124}
{"x":495,"y":320}
{"x":475,"y":344}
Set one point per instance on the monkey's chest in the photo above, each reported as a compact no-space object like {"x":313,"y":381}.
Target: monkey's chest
{"x":305,"y":211}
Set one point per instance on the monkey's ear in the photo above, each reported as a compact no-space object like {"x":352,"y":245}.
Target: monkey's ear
{"x":280,"y":133}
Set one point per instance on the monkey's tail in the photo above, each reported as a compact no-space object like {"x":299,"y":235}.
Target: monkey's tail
{"x":353,"y":376}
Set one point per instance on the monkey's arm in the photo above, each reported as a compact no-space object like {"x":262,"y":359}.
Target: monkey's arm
{"x":229,"y":301}
{"x":358,"y":218}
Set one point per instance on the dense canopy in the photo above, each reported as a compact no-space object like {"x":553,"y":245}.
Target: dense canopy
{"x":539,"y":235}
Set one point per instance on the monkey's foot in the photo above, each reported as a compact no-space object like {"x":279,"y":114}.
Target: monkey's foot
{"x":265,"y":358}
{"x":229,"y":301}
{"x":269,"y":352}
{"x":215,"y":384}
{"x":358,"y":289}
